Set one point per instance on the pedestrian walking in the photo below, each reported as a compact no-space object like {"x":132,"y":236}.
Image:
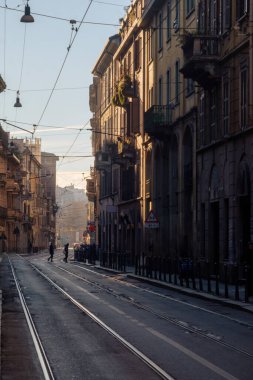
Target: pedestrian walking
{"x":66,"y":252}
{"x":51,"y":251}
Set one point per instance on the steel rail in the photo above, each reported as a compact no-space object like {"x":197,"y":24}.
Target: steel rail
{"x":45,"y":366}
{"x":161,"y":316}
{"x":240,"y":322}
{"x":158,"y":370}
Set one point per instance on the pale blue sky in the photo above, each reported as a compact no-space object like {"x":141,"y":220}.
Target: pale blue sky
{"x":45,"y":47}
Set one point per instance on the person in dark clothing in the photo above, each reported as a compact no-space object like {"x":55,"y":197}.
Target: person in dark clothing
{"x":66,"y":252}
{"x":51,"y":251}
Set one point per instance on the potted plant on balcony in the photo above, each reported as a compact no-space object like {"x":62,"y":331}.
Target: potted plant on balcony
{"x":123,"y":90}
{"x":119,"y":99}
{"x":126,"y":86}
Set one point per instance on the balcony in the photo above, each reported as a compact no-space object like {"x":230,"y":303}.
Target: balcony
{"x":27,"y":219}
{"x":12,"y":186}
{"x":2,"y":179}
{"x":201,"y":59}
{"x":13,"y":214}
{"x":3,"y":212}
{"x":90,"y":186}
{"x":157,"y":121}
{"x":102,"y":160}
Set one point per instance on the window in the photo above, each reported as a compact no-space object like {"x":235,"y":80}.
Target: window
{"x":150,"y":97}
{"x":160,"y":31}
{"x":177,"y":89}
{"x":226,"y":100}
{"x":243,"y":95}
{"x":129,"y":64}
{"x":168,"y":95}
{"x":189,"y":6}
{"x":149,"y":45}
{"x":115,"y":183}
{"x":241,"y":8}
{"x":137,"y":53}
{"x":202,"y":230}
{"x":213,"y":113}
{"x":226,"y":16}
{"x":189,"y":86}
{"x":202,"y":119}
{"x":226,"y":228}
{"x":201,"y":17}
{"x":213,"y":16}
{"x":176,"y":21}
{"x":160,"y":92}
{"x":169,"y":20}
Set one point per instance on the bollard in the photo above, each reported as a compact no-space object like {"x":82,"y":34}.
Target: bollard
{"x":217,"y":290}
{"x":226,"y":280}
{"x":175,"y":272}
{"x":160,"y":268}
{"x":193,"y":275}
{"x":237,"y":283}
{"x":164,"y":269}
{"x":209,"y":288}
{"x":169,"y":270}
{"x":246,"y":293}
{"x":200,"y":277}
{"x":155,"y":267}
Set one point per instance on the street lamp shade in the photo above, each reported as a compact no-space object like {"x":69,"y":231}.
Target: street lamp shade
{"x":17,"y":104}
{"x":27,"y":17}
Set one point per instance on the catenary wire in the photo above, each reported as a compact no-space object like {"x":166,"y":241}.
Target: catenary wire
{"x":61,"y":18}
{"x":63,"y":64}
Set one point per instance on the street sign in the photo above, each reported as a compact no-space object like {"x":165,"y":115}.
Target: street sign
{"x":151,"y":221}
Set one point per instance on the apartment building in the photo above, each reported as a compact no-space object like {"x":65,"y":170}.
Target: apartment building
{"x":27,"y":215}
{"x":219,"y":58}
{"x":183,"y":123}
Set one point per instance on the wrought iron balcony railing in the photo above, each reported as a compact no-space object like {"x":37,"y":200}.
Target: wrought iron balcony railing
{"x":157,"y":120}
{"x":201,"y":58}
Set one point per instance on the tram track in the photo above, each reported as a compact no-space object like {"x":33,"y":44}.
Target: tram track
{"x":156,"y":369}
{"x":44,"y":363}
{"x":152,"y":365}
{"x":167,"y":318}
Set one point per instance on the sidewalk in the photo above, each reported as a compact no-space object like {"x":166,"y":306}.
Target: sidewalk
{"x":248,"y":307}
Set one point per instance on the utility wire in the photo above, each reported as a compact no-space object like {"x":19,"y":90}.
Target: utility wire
{"x":61,"y":18}
{"x":73,"y":143}
{"x":17,"y":126}
{"x":22,"y":61}
{"x":50,"y":89}
{"x":64,"y":61}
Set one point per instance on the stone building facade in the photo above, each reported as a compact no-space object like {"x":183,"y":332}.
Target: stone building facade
{"x":184,"y":133}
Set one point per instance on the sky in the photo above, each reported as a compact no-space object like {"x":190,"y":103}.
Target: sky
{"x":35,"y":59}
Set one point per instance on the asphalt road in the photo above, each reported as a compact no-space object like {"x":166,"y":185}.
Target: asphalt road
{"x":187,"y":338}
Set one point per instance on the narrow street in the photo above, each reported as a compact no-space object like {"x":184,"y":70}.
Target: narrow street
{"x":97,"y":324}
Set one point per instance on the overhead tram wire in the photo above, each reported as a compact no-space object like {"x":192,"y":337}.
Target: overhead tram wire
{"x":64,"y":61}
{"x":61,"y":18}
{"x":60,"y":163}
{"x":50,"y":89}
{"x":4,"y":56}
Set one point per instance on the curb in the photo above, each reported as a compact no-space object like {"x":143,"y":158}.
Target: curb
{"x":195,"y":293}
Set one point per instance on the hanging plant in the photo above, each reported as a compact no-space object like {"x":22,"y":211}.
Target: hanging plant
{"x":126,"y":86}
{"x":119,"y":99}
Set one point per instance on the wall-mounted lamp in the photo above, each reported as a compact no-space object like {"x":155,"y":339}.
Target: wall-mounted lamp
{"x":27,"y":17}
{"x":17,"y":104}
